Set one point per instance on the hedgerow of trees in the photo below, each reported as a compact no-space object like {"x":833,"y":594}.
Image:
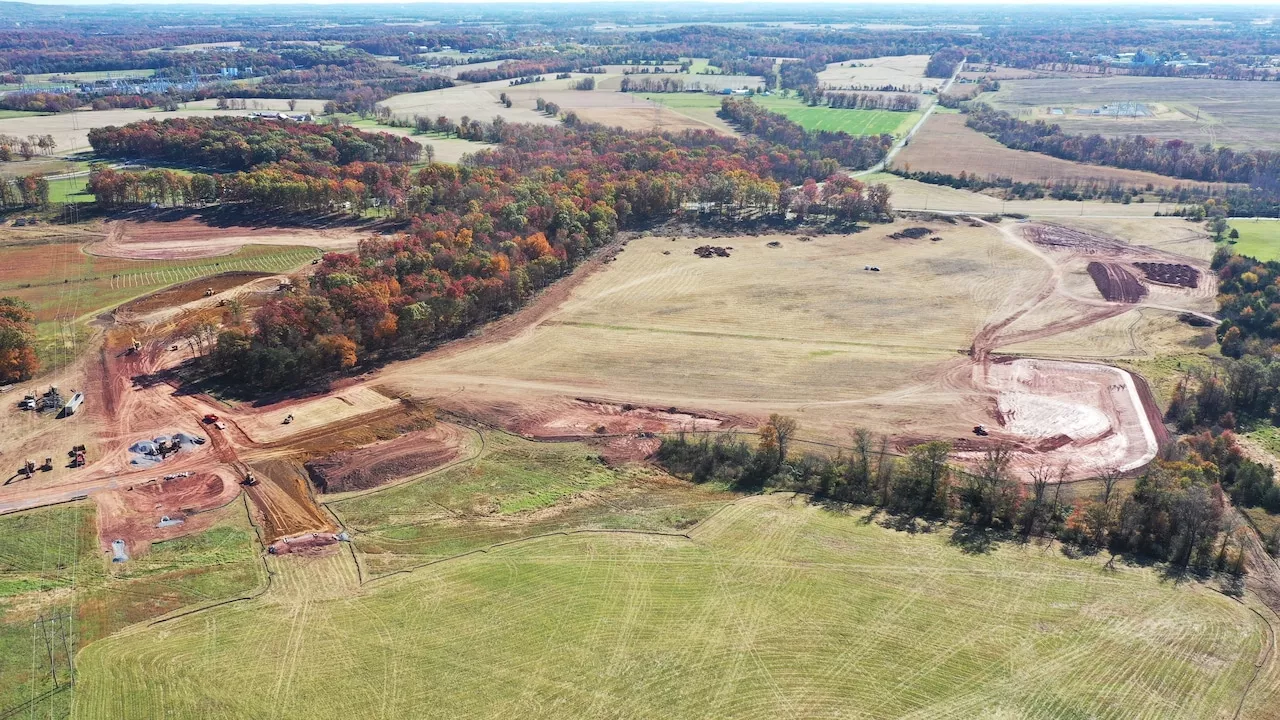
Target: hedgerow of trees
{"x":1174,"y":158}
{"x":1174,"y":513}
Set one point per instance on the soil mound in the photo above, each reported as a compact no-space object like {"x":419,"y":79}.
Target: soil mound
{"x":1115,"y":283}
{"x":1170,"y":274}
{"x":708,"y":251}
{"x":911,"y":233}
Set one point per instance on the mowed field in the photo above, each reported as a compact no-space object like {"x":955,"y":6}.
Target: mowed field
{"x":945,"y":144}
{"x":770,"y":608}
{"x":905,"y":71}
{"x":1259,"y":238}
{"x":854,"y":122}
{"x":802,"y":328}
{"x":1222,"y":112}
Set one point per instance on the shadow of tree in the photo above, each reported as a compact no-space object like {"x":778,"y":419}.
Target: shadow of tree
{"x":975,"y":540}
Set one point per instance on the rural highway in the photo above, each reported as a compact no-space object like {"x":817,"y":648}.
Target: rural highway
{"x":893,"y":152}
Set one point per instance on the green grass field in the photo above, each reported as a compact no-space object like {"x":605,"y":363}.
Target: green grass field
{"x":514,"y":489}
{"x":854,"y":122}
{"x":58,"y":593}
{"x":7,"y":114}
{"x":1258,"y":238}
{"x":771,"y":608}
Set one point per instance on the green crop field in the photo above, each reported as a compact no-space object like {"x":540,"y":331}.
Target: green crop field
{"x":67,"y":287}
{"x":854,"y":122}
{"x":770,"y":608}
{"x":1258,"y":238}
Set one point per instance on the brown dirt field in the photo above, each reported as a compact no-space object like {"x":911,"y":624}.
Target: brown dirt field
{"x":132,"y":512}
{"x":945,"y":144}
{"x":1115,"y":283}
{"x":189,"y":238}
{"x":373,"y":465}
{"x":648,"y":118}
{"x":190,"y":291}
{"x":284,"y":501}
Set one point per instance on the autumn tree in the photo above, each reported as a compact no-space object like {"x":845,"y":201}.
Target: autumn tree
{"x":17,"y":341}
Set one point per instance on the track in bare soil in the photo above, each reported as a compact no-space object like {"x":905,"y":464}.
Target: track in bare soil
{"x":191,"y":291}
{"x":1116,"y":283}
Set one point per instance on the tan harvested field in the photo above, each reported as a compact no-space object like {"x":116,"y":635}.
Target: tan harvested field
{"x":1239,"y":114}
{"x":805,"y":329}
{"x":602,"y":105}
{"x":268,"y":426}
{"x":187,"y":238}
{"x":946,"y":144}
{"x":906,"y":71}
{"x":916,"y":195}
{"x":71,"y":130}
{"x":478,"y":102}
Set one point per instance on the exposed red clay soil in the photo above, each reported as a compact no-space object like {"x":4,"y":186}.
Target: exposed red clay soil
{"x":190,"y":291}
{"x":1170,"y":274}
{"x":585,"y":417}
{"x":1115,"y":283}
{"x":374,"y":465}
{"x":132,"y":512}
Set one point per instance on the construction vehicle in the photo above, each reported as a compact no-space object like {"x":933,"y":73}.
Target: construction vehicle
{"x":980,"y":430}
{"x":209,"y":419}
{"x":51,"y":400}
{"x":29,"y":469}
{"x":134,"y":347}
{"x":28,"y":403}
{"x":288,"y":419}
{"x":208,"y":292}
{"x":78,"y":459}
{"x":249,"y":479}
{"x":48,"y":465}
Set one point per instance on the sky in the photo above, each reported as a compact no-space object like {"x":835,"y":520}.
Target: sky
{"x":1208,"y":5}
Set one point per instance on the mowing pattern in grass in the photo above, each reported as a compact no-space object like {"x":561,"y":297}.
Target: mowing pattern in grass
{"x":508,"y":493}
{"x":854,"y":122}
{"x":1258,"y":238}
{"x":773,"y":609}
{"x":57,"y":594}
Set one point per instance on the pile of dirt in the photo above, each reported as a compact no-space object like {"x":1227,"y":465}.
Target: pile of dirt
{"x":1116,"y":283}
{"x":311,"y":543}
{"x":380,"y":463}
{"x":1170,"y":274}
{"x":708,"y":251}
{"x":912,"y":233}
